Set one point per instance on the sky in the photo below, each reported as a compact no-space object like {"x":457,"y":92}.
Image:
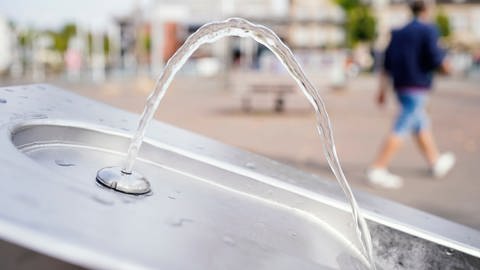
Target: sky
{"x":43,"y":14}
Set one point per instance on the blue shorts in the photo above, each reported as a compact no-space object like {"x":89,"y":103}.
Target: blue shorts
{"x":412,"y":117}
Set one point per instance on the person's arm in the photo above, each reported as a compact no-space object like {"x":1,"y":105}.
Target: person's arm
{"x":382,"y":87}
{"x":435,"y":53}
{"x":445,"y":67}
{"x":384,"y":77}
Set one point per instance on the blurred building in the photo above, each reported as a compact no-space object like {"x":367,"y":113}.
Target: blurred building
{"x":5,"y":45}
{"x":132,"y":29}
{"x":149,"y":35}
{"x":463,"y":15}
{"x":302,"y":24}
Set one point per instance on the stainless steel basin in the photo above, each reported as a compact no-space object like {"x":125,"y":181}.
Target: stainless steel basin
{"x":211,"y":207}
{"x":213,"y":216}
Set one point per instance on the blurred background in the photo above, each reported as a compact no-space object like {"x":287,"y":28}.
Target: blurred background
{"x":235,"y":91}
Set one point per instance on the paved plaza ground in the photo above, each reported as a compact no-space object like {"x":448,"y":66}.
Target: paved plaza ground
{"x":206,"y":106}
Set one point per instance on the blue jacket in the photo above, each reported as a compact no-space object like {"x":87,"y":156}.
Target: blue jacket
{"x":412,"y":56}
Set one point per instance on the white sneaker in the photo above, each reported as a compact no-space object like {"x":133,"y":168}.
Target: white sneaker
{"x":383,"y":178}
{"x":443,"y":165}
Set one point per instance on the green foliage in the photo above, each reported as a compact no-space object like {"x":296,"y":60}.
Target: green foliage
{"x":59,"y":44}
{"x":106,"y":45}
{"x":25,"y":38}
{"x":61,"y":38}
{"x":89,"y":43}
{"x":360,"y":25}
{"x":443,"y":24}
{"x":348,"y":5}
{"x":147,"y":43}
{"x":69,"y":30}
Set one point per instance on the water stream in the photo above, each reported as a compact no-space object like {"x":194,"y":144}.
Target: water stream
{"x":239,"y":27}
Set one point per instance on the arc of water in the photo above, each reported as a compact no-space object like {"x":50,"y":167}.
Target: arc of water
{"x":242,"y":28}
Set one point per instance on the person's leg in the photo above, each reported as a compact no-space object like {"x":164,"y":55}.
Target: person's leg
{"x":403,"y":125}
{"x":427,"y":145}
{"x":378,"y":173}
{"x":440,"y":164}
{"x":388,"y":150}
{"x":422,"y":132}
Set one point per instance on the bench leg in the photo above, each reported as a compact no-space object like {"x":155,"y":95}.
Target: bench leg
{"x":279,"y":104}
{"x":246,"y":105}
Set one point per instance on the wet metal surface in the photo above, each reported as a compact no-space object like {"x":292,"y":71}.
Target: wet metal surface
{"x":226,"y":211}
{"x":131,"y":183}
{"x":211,"y":206}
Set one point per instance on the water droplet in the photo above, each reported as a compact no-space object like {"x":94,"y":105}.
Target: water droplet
{"x":63,"y":163}
{"x":291,"y":181}
{"x":179,"y":222}
{"x":250,"y":165}
{"x":3,"y":101}
{"x":172,"y":198}
{"x":293,"y":234}
{"x":127,"y":201}
{"x":8,"y":90}
{"x":125,"y":129}
{"x":101,"y":200}
{"x":32,"y":202}
{"x":38,"y":116}
{"x":449,"y":251}
{"x":259,"y":225}
{"x":228,"y":240}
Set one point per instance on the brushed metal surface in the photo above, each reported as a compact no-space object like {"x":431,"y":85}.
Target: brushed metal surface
{"x":211,"y":207}
{"x":115,"y":178}
{"x":215,"y":217}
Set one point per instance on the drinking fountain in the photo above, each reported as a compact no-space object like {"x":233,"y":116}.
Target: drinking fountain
{"x":205,"y":205}
{"x":207,"y":202}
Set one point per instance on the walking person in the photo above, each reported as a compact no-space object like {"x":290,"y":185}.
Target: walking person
{"x":410,"y":60}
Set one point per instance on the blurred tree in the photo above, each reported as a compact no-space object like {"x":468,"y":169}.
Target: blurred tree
{"x":443,"y":24}
{"x":69,"y":30}
{"x":360,"y":24}
{"x":106,"y":45}
{"x":89,"y":43}
{"x":25,"y":38}
{"x":60,"y":39}
{"x":147,"y":42}
{"x":348,"y":5}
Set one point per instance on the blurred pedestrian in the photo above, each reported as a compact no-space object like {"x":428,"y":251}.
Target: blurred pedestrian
{"x":410,"y":60}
